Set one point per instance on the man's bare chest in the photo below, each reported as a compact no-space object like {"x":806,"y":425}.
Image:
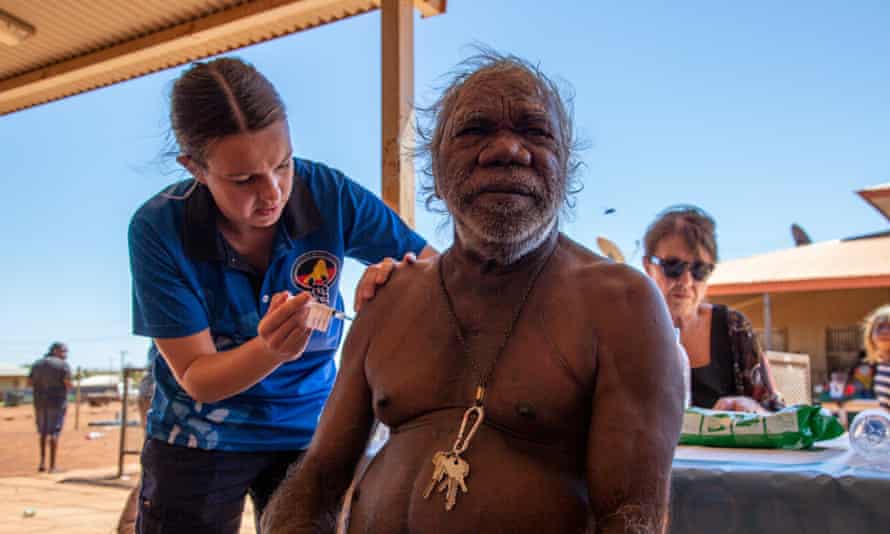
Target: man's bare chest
{"x":532,"y":389}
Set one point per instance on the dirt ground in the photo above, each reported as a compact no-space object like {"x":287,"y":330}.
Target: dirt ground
{"x":82,"y":448}
{"x":86,"y":497}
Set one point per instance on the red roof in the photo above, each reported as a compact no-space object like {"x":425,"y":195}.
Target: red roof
{"x":845,"y":264}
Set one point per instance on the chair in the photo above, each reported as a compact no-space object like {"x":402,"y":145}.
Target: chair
{"x":791,"y":376}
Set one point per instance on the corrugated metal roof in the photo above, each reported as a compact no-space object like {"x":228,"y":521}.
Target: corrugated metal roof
{"x":826,"y":265}
{"x":71,"y":28}
{"x":84,"y":44}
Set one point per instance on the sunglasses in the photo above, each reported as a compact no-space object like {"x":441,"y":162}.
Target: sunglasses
{"x":675,"y":267}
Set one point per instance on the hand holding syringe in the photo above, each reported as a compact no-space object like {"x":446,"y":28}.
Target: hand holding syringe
{"x":320,"y":315}
{"x":289,"y":322}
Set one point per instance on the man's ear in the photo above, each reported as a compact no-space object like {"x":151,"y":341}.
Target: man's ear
{"x":193,"y":168}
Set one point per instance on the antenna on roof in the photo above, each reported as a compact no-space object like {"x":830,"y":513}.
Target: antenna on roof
{"x":799,"y":235}
{"x":610,"y":249}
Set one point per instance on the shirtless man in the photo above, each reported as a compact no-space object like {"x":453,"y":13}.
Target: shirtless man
{"x":562,"y":364}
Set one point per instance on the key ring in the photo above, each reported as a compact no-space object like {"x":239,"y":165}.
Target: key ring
{"x":462,"y":442}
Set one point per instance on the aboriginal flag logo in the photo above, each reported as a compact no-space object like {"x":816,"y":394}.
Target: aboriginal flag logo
{"x":316,"y":272}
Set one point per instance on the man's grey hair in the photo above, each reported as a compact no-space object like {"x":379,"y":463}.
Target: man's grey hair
{"x":432,"y":120}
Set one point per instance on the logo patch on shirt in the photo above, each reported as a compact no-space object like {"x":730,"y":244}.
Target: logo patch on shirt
{"x":316,"y":272}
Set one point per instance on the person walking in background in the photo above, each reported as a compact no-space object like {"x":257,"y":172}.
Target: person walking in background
{"x":50,"y":379}
{"x":876,"y":330}
{"x":226,"y":266}
{"x":729,"y":371}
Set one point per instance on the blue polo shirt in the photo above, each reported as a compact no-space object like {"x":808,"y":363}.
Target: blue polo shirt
{"x":186,"y":278}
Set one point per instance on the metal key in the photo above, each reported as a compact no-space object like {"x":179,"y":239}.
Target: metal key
{"x":439,"y":469}
{"x":450,"y":470}
{"x":456,"y":470}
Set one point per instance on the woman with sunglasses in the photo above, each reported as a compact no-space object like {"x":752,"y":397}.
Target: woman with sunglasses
{"x":729,"y":371}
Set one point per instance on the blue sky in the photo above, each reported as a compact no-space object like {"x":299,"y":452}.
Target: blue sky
{"x":764,"y":113}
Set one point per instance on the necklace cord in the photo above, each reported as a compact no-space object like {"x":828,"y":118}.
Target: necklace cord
{"x":484,"y":377}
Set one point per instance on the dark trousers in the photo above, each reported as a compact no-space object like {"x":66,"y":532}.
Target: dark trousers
{"x":196,"y":490}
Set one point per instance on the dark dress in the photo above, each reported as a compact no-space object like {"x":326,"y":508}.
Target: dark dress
{"x":736,"y":364}
{"x":49,"y":377}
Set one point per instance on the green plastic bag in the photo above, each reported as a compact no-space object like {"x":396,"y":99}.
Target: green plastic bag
{"x":795,"y":427}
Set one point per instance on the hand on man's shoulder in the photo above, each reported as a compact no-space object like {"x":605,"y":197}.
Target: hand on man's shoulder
{"x":405,"y":281}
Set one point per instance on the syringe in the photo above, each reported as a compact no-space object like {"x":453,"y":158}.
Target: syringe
{"x":320,"y":316}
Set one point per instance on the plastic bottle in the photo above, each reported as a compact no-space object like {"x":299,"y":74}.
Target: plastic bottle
{"x":870,"y":436}
{"x":687,"y":372}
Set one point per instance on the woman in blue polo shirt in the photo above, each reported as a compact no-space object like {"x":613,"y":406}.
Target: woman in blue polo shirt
{"x":223,"y":268}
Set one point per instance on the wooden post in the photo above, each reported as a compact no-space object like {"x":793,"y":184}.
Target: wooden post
{"x":77,"y":400}
{"x":767,"y":322}
{"x":397,"y":110}
{"x":123,"y":443}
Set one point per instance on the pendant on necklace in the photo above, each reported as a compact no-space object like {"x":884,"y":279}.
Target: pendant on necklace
{"x":450,"y":470}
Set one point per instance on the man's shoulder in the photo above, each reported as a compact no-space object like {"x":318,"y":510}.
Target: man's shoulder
{"x":590,"y":274}
{"x":399,"y":302}
{"x":412,"y":280}
{"x":408,"y":287}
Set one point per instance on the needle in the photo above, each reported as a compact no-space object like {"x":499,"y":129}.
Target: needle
{"x":340,"y":315}
{"x":320,"y":316}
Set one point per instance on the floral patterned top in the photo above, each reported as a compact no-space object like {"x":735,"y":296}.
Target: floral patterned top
{"x":750,"y":367}
{"x":737,"y":365}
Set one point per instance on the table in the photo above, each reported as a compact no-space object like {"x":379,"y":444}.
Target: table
{"x":826,"y":490}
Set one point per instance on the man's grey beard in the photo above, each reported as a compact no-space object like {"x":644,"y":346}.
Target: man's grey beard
{"x":502,"y":249}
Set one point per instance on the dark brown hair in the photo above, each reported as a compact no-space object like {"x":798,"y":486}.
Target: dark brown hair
{"x":217,"y":98}
{"x":691,"y":223}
